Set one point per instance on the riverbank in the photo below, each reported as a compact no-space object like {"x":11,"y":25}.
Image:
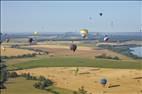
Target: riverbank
{"x":123,"y":49}
{"x":137,"y":51}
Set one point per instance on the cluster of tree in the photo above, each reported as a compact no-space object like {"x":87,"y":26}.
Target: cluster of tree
{"x":81,"y":91}
{"x":12,"y":75}
{"x":42,"y":81}
{"x":28,"y":76}
{"x":15,"y":46}
{"x":107,"y":57}
{"x":3,"y":74}
{"x":19,"y":56}
{"x":36,"y":50}
{"x":43,"y":84}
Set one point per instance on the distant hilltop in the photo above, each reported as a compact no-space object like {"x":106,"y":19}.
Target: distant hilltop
{"x":114,"y":36}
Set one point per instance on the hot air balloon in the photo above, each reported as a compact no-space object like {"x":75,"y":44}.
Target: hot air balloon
{"x":100,"y":14}
{"x":73,"y":47}
{"x":103,"y":81}
{"x":106,"y":38}
{"x":84,"y":33}
{"x":31,"y":40}
{"x":96,"y":34}
{"x":35,"y":33}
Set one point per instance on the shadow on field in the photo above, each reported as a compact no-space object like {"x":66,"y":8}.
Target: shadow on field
{"x":137,"y":78}
{"x":95,"y":69}
{"x":111,"y":86}
{"x":52,"y":91}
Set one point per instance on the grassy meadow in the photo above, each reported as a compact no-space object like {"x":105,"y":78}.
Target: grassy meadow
{"x":77,"y":62}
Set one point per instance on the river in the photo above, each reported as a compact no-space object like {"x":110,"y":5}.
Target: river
{"x":137,"y":51}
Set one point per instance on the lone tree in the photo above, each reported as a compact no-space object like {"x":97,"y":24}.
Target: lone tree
{"x":3,"y":74}
{"x":81,"y":91}
{"x":42,"y":84}
{"x":76,"y":71}
{"x":12,"y":74}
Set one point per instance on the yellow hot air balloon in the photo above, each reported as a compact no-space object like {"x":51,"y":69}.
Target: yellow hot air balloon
{"x":84,"y":33}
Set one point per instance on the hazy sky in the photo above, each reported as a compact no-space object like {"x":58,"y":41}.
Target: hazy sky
{"x":71,"y":16}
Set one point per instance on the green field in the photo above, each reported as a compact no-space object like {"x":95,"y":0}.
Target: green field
{"x":77,"y":62}
{"x":21,"y":86}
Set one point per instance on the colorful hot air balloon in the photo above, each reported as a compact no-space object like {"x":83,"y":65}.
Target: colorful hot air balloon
{"x":103,"y":81}
{"x":84,"y":33}
{"x":100,"y":14}
{"x":73,"y":47}
{"x":106,"y":38}
{"x":31,"y":40}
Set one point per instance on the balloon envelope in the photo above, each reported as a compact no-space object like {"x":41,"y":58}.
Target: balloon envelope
{"x":84,"y":33}
{"x":30,"y":40}
{"x":73,"y":47}
{"x":106,"y":39}
{"x":103,"y":81}
{"x":101,"y":14}
{"x":96,"y":34}
{"x":35,"y":33}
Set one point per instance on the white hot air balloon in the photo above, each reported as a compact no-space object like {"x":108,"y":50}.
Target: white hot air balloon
{"x":106,"y":38}
{"x":35,"y":33}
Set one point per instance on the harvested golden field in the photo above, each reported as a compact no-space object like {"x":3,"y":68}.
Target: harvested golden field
{"x":14,"y":52}
{"x":122,"y":81}
{"x":88,"y":52}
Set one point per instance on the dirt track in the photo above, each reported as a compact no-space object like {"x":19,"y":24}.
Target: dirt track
{"x":123,"y":81}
